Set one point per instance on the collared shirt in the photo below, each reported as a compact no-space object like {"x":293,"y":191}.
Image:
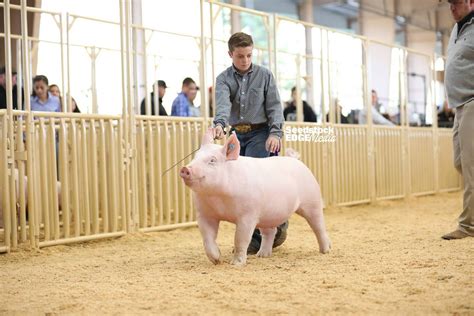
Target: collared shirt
{"x":52,"y":104}
{"x":180,"y":105}
{"x":459,"y":72}
{"x":250,"y":98}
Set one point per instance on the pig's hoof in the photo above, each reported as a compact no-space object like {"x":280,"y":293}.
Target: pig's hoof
{"x":215,"y":261}
{"x":326,"y":248}
{"x":214,"y":256}
{"x":240,"y":262}
{"x":264,"y":254}
{"x":324,"y":251}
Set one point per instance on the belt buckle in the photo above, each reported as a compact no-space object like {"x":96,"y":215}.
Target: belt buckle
{"x":245,"y":128}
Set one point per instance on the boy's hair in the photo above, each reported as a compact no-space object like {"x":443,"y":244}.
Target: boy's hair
{"x":239,"y":39}
{"x":187,"y":81}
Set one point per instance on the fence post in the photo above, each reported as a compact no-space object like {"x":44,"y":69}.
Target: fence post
{"x":129,"y":159}
{"x":9,"y":146}
{"x":202,"y":66}
{"x":435,"y":123}
{"x":370,"y":125}
{"x":405,"y":126}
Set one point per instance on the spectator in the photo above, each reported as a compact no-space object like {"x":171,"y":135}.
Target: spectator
{"x":42,"y":99}
{"x":377,"y":118}
{"x":343,"y":119}
{"x":161,"y":93}
{"x":446,"y":116}
{"x":181,"y":104}
{"x":3,"y":91}
{"x":290,"y":109}
{"x":375,"y":100}
{"x":193,"y":110}
{"x":54,"y":90}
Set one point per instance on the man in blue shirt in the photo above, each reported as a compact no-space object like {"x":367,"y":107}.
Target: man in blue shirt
{"x":181,"y":104}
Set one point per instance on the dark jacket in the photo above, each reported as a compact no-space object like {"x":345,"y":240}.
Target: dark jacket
{"x":3,"y":98}
{"x":446,"y":119}
{"x":308,"y":113}
{"x":162,"y":110}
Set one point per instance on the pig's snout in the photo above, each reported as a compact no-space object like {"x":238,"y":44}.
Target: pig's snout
{"x":185,"y":173}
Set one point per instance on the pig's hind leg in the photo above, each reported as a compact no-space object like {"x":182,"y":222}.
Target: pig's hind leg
{"x":268,"y":235}
{"x":313,"y":213}
{"x":208,"y":228}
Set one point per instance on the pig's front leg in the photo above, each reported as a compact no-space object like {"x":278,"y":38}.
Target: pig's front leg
{"x":268,"y":235}
{"x":208,"y":228}
{"x":243,"y":235}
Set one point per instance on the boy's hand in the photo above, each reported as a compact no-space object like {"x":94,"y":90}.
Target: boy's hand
{"x":273,"y":144}
{"x":218,"y":132}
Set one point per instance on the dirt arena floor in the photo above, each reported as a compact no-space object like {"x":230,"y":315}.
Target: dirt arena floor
{"x":387,"y":258}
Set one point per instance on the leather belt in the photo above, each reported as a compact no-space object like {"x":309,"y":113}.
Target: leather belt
{"x":247,"y":128}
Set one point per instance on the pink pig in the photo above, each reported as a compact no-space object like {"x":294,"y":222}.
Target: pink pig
{"x":250,"y":192}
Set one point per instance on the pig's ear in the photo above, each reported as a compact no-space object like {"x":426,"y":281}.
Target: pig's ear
{"x":207,"y":137}
{"x":232,"y":147}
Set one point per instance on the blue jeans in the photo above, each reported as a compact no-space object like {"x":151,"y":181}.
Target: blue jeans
{"x":252,"y":144}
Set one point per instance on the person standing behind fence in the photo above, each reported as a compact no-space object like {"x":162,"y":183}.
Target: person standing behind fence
{"x":459,"y":83}
{"x":290,"y":111}
{"x":247,"y":98}
{"x":377,"y":118}
{"x":181,"y":104}
{"x":54,"y":90}
{"x":3,"y":91}
{"x":194,"y":111}
{"x":446,"y":116}
{"x":42,"y":99}
{"x":161,"y":93}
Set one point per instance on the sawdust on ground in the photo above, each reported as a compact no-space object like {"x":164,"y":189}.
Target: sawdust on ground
{"x":386,"y":258}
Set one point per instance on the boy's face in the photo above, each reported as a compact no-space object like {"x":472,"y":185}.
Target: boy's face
{"x":242,"y":58}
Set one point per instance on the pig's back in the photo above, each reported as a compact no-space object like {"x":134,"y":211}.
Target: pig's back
{"x":284,"y":167}
{"x":283,"y":180}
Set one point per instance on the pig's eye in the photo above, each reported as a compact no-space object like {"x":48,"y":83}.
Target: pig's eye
{"x":212,"y":161}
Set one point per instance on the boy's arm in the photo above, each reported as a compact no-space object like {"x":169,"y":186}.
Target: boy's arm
{"x":223,"y":104}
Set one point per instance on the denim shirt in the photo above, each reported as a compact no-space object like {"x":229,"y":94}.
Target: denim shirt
{"x":180,"y":105}
{"x":251,"y":98}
